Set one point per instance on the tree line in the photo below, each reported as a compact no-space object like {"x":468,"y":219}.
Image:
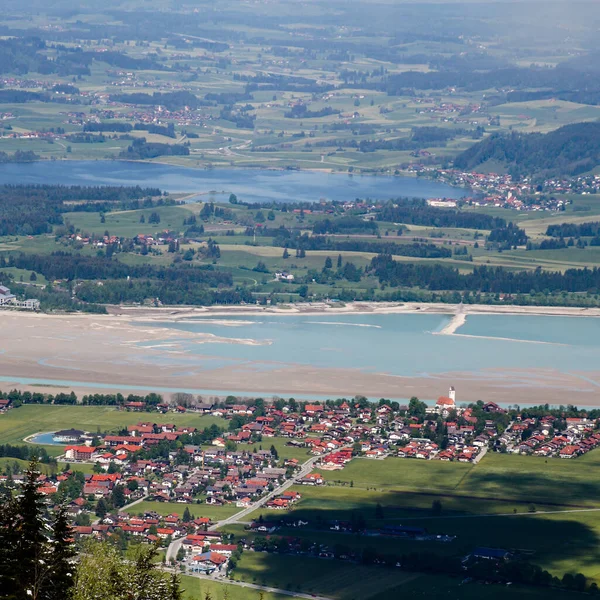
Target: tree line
{"x":64,"y":265}
{"x":417,"y":212}
{"x":483,"y":278}
{"x":320,"y":242}
{"x":565,"y":230}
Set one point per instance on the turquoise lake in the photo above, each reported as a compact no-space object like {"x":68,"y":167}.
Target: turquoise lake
{"x":399,"y":344}
{"x":250,"y":185}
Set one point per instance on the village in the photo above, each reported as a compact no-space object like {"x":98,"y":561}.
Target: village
{"x":256,"y":471}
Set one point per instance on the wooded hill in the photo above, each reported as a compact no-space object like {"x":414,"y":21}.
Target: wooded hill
{"x":568,"y":151}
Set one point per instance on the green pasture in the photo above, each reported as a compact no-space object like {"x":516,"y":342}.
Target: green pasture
{"x":334,"y":579}
{"x":164,"y":509}
{"x":196,"y":588}
{"x":127,"y":223}
{"x":19,"y":423}
{"x":497,"y":476}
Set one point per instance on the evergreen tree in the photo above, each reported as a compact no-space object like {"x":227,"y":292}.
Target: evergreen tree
{"x":35,"y":555}
{"x":61,"y":557}
{"x":31,"y":549}
{"x":118,"y":496}
{"x":339,"y":261}
{"x":187,"y":517}
{"x":9,"y":564}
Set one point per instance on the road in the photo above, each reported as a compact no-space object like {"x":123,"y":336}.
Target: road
{"x":305,"y":469}
{"x":480,"y":455}
{"x":128,"y":506}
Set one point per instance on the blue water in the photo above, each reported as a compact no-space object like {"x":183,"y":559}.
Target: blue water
{"x":400,"y":344}
{"x":46,"y":439}
{"x":575,"y":331}
{"x":250,"y":185}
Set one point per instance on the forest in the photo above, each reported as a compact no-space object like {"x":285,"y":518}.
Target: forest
{"x":565,"y":230}
{"x":35,"y":209}
{"x":567,"y":151}
{"x":141,"y":149}
{"x":483,"y":279}
{"x":417,"y":212}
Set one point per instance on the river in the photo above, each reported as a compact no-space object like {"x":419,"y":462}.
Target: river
{"x":250,"y":185}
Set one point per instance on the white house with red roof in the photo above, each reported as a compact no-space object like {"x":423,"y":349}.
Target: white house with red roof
{"x":447,"y":403}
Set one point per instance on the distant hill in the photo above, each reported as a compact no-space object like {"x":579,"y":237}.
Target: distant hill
{"x":570,"y":150}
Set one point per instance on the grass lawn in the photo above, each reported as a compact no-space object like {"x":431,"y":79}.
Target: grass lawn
{"x":401,"y":474}
{"x":440,"y":587}
{"x":18,"y":423}
{"x":331,"y":578}
{"x":536,"y":536}
{"x":498,"y":476}
{"x":283,"y":451}
{"x":339,"y":502}
{"x":197,"y":589}
{"x":198,"y":510}
{"x":535,"y":479}
{"x":23,"y":464}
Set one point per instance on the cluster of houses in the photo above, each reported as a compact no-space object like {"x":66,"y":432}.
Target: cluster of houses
{"x":500,"y":190}
{"x":151,"y":527}
{"x":541,"y":439}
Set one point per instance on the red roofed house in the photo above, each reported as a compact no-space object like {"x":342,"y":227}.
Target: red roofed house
{"x":446,"y":403}
{"x":224,"y":549}
{"x":569,"y":452}
{"x":79,"y":452}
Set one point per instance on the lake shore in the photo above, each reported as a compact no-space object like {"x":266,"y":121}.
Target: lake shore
{"x":130,"y":352}
{"x":351,"y":308}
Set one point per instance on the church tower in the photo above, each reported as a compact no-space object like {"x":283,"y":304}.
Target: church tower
{"x":452,"y":394}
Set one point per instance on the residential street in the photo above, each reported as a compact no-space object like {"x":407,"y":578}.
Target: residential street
{"x":305,"y":469}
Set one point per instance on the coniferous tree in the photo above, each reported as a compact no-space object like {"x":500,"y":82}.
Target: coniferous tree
{"x":31,"y":549}
{"x":9,"y":564}
{"x":62,"y":557}
{"x":101,"y":509}
{"x":36,"y":553}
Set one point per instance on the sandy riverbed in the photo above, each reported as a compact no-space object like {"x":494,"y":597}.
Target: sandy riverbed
{"x":105,"y":351}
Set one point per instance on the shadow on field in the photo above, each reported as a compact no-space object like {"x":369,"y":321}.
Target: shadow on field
{"x":558,"y":543}
{"x":533,"y":487}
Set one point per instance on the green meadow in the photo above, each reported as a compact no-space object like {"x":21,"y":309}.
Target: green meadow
{"x":18,"y":423}
{"x":164,"y":509}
